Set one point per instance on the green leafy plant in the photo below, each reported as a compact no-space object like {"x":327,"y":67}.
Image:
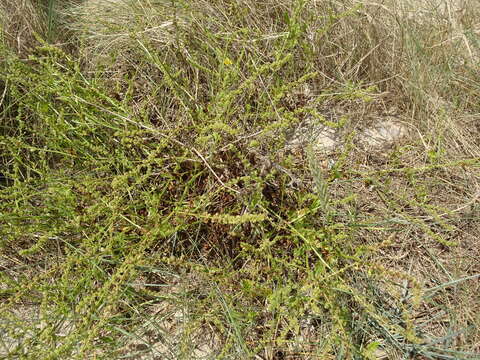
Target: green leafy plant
{"x":155,"y":202}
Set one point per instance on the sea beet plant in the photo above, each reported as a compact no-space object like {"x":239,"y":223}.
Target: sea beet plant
{"x":155,"y":201}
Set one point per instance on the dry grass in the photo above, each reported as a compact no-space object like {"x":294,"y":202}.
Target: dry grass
{"x":20,"y":20}
{"x":157,"y":201}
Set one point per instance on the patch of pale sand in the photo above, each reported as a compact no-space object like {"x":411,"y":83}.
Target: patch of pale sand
{"x":385,"y":133}
{"x":168,"y":334}
{"x":12,"y":325}
{"x":321,"y":137}
{"x":170,"y":330}
{"x":325,"y":140}
{"x":164,"y":334}
{"x":29,"y":320}
{"x":23,"y":323}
